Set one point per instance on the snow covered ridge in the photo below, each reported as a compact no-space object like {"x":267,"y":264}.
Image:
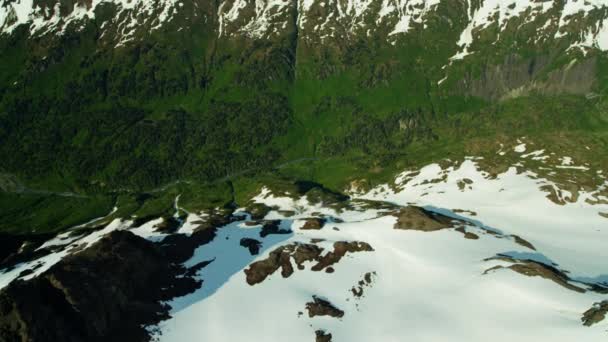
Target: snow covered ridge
{"x":340,"y":18}
{"x":265,"y":18}
{"x":323,"y":19}
{"x":497,"y":253}
{"x":417,"y":259}
{"x":555,"y":26}
{"x":56,"y":16}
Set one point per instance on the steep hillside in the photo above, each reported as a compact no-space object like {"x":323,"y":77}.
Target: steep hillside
{"x":137,"y":94}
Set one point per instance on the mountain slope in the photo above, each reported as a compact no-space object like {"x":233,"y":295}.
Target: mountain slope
{"x":89,"y":88}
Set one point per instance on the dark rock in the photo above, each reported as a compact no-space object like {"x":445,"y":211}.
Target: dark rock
{"x":179,"y":248}
{"x":340,"y":249}
{"x":314,"y":223}
{"x":258,"y":210}
{"x":252,"y":244}
{"x":272,"y":227}
{"x":300,"y":253}
{"x":518,"y":240}
{"x":169,"y":225}
{"x":321,"y":307}
{"x":322,"y":336}
{"x":415,"y":218}
{"x":362,"y":284}
{"x":467,"y":235}
{"x":596,"y":314}
{"x":533,"y":268}
{"x":109,"y":291}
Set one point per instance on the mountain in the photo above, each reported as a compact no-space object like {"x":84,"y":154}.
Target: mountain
{"x":90,"y":88}
{"x":327,"y":170}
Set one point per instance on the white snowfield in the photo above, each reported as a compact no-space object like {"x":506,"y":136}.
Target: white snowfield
{"x":427,"y":286}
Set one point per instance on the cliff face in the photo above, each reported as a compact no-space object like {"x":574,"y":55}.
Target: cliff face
{"x":517,"y":76}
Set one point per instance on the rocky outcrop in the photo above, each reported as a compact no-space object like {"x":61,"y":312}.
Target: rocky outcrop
{"x":358,"y":290}
{"x":322,"y":336}
{"x":258,"y":210}
{"x":300,"y":253}
{"x":415,"y":218}
{"x":109,"y":291}
{"x":533,"y":268}
{"x":314,"y":223}
{"x":596,"y":314}
{"x":252,"y":244}
{"x":322,"y":307}
{"x":272,"y":227}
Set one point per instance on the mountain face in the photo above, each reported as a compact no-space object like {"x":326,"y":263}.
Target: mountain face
{"x":88,"y":88}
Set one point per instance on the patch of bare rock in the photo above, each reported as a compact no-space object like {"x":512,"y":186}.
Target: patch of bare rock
{"x":300,"y":253}
{"x":533,"y":268}
{"x":358,"y":290}
{"x":596,"y":314}
{"x":252,"y":244}
{"x":314,"y":223}
{"x":322,"y":336}
{"x":322,"y":307}
{"x":416,"y":218}
{"x":272,"y":227}
{"x":467,"y":235}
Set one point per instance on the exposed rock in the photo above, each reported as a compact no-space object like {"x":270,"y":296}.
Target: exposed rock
{"x":272,"y":227}
{"x":467,"y":235}
{"x":314,"y":223}
{"x":340,"y":249}
{"x":462,"y":183}
{"x":415,"y":218}
{"x":518,"y":240}
{"x":258,"y":210}
{"x":533,"y":268}
{"x":169,"y":225}
{"x":300,"y":253}
{"x":362,"y":284}
{"x":126,"y":279}
{"x":517,"y":76}
{"x":217,"y":219}
{"x":179,"y":247}
{"x":321,"y":307}
{"x":596,"y":314}
{"x":252,"y":244}
{"x":322,"y":336}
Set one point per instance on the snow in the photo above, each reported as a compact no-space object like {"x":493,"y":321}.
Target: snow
{"x":521,"y":148}
{"x":410,"y":11}
{"x":572,"y":235}
{"x":427,"y":286}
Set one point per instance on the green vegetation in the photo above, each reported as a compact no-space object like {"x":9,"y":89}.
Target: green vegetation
{"x":179,"y":111}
